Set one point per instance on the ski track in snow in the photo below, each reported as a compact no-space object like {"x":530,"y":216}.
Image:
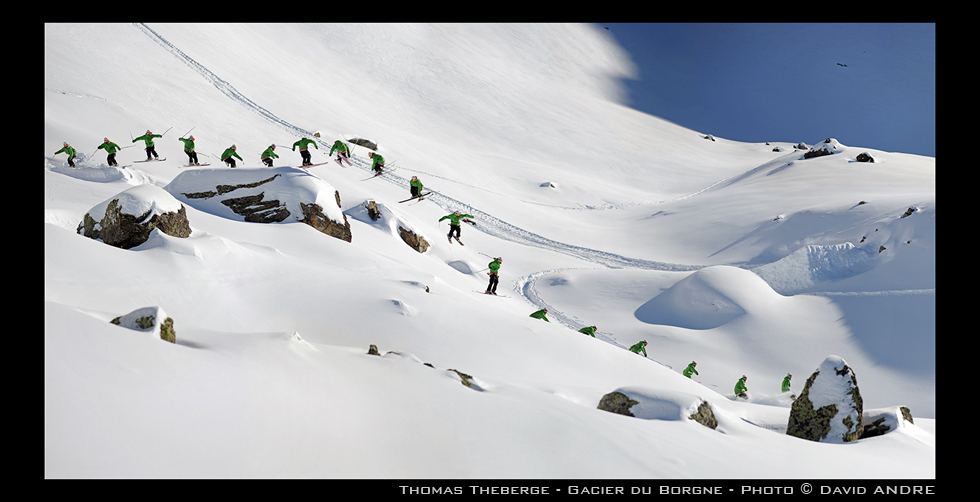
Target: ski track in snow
{"x":486,"y":223}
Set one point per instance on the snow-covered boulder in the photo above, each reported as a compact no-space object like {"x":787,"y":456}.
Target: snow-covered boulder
{"x":268,"y":195}
{"x":829,"y":146}
{"x":658,"y":404}
{"x":883,"y":421}
{"x":126,"y":219}
{"x":152,"y":320}
{"x":830,"y":408}
{"x":384,"y":218}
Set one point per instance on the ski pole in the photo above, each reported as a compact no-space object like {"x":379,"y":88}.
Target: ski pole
{"x":188,"y":132}
{"x":168,"y":130}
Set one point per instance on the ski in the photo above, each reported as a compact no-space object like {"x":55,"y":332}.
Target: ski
{"x":195,"y":165}
{"x":379,"y":174}
{"x":150,"y":160}
{"x":338,"y":159}
{"x":471,"y":222}
{"x":490,"y":294}
{"x":311,"y":165}
{"x":413,"y":198}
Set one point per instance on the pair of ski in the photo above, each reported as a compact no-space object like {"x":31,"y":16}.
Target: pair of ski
{"x":337,"y":160}
{"x":383,"y":171}
{"x":149,"y":160}
{"x":490,"y":294}
{"x":418,"y":197}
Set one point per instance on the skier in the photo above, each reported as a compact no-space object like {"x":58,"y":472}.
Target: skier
{"x":341,"y":148}
{"x":227,"y":155}
{"x":540,"y":314}
{"x":110,"y":148}
{"x":690,"y":369}
{"x":740,"y":389}
{"x":378,"y":163}
{"x":588,"y":330}
{"x":269,"y":154}
{"x":494,"y":270}
{"x":639,"y":347}
{"x":151,"y":149}
{"x":786,"y":382}
{"x":416,"y":187}
{"x":304,"y":144}
{"x":454,"y":224}
{"x":71,"y":154}
{"x":189,"y":150}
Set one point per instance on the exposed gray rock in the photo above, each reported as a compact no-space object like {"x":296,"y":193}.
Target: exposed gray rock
{"x":617,"y":402}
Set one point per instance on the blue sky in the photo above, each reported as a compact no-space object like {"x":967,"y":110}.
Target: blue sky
{"x":782,"y":82}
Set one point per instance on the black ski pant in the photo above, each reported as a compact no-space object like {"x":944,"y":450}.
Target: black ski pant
{"x":306,"y":157}
{"x":112,"y":159}
{"x":416,"y":192}
{"x":267,"y":161}
{"x":191,"y":156}
{"x":492,"y":287}
{"x":230,"y":161}
{"x":452,"y":229}
{"x":151,"y":150}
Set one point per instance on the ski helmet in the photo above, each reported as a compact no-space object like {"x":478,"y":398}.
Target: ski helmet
{"x":457,"y":212}
{"x":192,"y":138}
{"x":233,"y":147}
{"x":105,"y":140}
{"x":415,"y":178}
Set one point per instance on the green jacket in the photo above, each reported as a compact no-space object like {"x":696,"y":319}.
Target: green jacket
{"x":540,"y":315}
{"x":188,"y":144}
{"x":417,"y":184}
{"x":109,"y":147}
{"x":230,"y":153}
{"x":304,"y":144}
{"x":690,"y":370}
{"x":639,"y":347}
{"x":588,"y":330}
{"x":338,"y":146}
{"x":376,"y":159}
{"x":454,"y":218}
{"x":147,"y":138}
{"x":495,"y":267}
{"x":786,"y":383}
{"x":740,"y":386}
{"x":269,"y":152}
{"x":71,"y":152}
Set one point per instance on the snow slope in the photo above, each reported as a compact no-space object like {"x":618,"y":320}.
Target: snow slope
{"x":747,"y":260}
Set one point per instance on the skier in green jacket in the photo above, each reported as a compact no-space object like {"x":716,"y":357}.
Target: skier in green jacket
{"x":110,"y":148}
{"x":189,"y":150}
{"x":740,"y":388}
{"x":269,"y":154}
{"x":151,"y":149}
{"x":70,"y":152}
{"x":342,"y":151}
{"x":786,"y":382}
{"x":540,"y":314}
{"x":304,"y":144}
{"x":494,"y":270}
{"x":377,"y":161}
{"x":416,"y":187}
{"x":588,"y":330}
{"x":690,"y":370}
{"x":639,"y":347}
{"x":229,"y":156}
{"x":454,"y":220}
